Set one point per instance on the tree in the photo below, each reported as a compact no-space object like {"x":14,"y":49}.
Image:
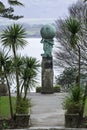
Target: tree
{"x":28,"y":74}
{"x":5,"y":69}
{"x":67,"y":78}
{"x":13,"y":38}
{"x":74,"y":27}
{"x":9,"y":12}
{"x":65,"y":56}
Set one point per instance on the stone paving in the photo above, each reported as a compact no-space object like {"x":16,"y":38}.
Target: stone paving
{"x":46,"y":109}
{"x":47,"y":112}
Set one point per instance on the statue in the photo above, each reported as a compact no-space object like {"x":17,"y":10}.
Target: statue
{"x":47,"y":47}
{"x":47,"y":33}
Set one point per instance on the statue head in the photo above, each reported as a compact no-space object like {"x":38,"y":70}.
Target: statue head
{"x":48,"y":31}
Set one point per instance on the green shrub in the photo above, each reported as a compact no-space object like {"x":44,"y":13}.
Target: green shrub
{"x":57,"y":88}
{"x":38,"y":89}
{"x":23,"y":106}
{"x":73,"y":101}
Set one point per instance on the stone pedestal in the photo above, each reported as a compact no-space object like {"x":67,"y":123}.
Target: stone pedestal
{"x":47,"y":75}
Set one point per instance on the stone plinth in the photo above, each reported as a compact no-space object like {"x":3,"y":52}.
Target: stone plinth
{"x":47,"y":75}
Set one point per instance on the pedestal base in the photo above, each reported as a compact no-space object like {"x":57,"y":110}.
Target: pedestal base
{"x":47,"y":75}
{"x":47,"y":90}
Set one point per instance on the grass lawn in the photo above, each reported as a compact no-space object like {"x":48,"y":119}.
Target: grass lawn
{"x":4,"y":106}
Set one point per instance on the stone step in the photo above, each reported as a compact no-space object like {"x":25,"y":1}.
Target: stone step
{"x":50,"y":128}
{"x":46,"y":110}
{"x":54,"y":128}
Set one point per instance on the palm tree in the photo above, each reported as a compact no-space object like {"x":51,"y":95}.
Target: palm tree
{"x":5,"y":69}
{"x":13,"y":38}
{"x":74,"y":27}
{"x":29,"y":73}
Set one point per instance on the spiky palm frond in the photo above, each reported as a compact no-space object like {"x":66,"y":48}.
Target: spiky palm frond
{"x":13,"y":36}
{"x":3,"y":58}
{"x":73,"y":25}
{"x":5,"y":62}
{"x":29,"y":72}
{"x":30,"y":66}
{"x":15,"y":3}
{"x":18,"y":63}
{"x":31,"y":63}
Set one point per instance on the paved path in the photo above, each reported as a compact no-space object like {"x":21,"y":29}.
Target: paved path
{"x":46,"y":110}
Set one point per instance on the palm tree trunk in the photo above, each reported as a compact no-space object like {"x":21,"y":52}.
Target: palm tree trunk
{"x":25,"y":93}
{"x":22,"y":86}
{"x":10,"y":100}
{"x":26,"y":88}
{"x":79,"y":68}
{"x":17,"y":78}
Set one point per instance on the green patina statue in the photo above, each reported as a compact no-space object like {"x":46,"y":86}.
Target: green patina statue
{"x":47,"y":32}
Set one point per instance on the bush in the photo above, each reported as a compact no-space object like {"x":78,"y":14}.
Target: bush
{"x":38,"y":89}
{"x":57,"y":88}
{"x":73,"y":102}
{"x":23,"y":106}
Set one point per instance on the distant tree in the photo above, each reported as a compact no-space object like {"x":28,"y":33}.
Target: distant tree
{"x":8,"y":12}
{"x":67,"y":78}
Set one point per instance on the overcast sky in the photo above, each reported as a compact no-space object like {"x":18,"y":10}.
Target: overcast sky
{"x":35,"y":10}
{"x":45,"y":8}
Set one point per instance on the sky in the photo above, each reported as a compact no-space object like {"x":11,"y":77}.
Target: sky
{"x":47,"y":10}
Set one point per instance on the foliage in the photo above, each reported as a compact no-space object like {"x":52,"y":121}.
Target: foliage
{"x":73,"y":26}
{"x":73,"y":102}
{"x":24,"y":69}
{"x":85,"y":109}
{"x":23,"y":106}
{"x":8,"y":12}
{"x":67,"y":78}
{"x":5,"y":72}
{"x":13,"y":38}
{"x":65,"y":56}
{"x":29,"y":72}
{"x":38,"y":89}
{"x":57,"y":88}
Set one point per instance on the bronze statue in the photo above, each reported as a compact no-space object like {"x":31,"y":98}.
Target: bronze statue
{"x":47,"y":33}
